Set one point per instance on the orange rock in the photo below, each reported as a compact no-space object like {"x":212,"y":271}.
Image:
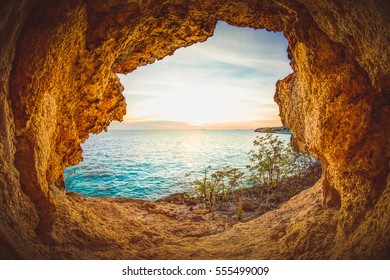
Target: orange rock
{"x":58,"y":62}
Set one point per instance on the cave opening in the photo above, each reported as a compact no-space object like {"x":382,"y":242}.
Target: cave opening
{"x":195,"y":109}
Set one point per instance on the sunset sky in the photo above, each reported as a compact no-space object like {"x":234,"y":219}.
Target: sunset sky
{"x":227,"y":82}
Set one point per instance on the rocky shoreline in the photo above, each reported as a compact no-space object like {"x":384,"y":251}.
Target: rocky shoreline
{"x":279,"y":130}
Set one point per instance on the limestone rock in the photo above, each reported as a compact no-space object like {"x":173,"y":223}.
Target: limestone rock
{"x":58,"y":65}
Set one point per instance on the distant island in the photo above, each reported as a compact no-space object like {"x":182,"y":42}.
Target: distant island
{"x":279,"y":129}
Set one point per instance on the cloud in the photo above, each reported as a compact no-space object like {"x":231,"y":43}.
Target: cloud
{"x":153,"y":125}
{"x":242,"y":125}
{"x":230,"y":77}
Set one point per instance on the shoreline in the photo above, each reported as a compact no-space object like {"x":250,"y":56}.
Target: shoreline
{"x":276,"y":130}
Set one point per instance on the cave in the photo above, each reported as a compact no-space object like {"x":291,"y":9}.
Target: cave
{"x":58,"y":65}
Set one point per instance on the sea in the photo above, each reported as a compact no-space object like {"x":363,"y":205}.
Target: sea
{"x":152,"y":164}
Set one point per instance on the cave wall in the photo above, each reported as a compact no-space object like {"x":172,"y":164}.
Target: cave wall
{"x":346,"y":112}
{"x":58,"y":65}
{"x":18,"y":215}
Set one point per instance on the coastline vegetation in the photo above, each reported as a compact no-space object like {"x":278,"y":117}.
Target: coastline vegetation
{"x":274,"y":174}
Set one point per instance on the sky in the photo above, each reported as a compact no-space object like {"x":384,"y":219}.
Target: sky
{"x":227,"y":82}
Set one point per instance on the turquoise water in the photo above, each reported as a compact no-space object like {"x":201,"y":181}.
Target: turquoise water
{"x":153,"y":164}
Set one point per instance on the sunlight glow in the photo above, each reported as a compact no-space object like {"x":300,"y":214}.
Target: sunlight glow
{"x":227,"y":82}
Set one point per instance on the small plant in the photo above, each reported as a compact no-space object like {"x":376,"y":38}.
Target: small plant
{"x":202,"y":187}
{"x":218,"y":187}
{"x":239,"y":213}
{"x":232,"y":179}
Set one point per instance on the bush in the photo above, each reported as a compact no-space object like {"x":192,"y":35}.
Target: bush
{"x":272,"y":164}
{"x":219,"y":187}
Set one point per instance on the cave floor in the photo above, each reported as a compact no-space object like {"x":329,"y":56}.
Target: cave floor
{"x":95,"y":228}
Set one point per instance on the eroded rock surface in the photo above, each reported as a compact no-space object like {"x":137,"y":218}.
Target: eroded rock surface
{"x":58,"y":62}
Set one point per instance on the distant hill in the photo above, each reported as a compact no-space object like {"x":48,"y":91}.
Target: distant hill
{"x":279,"y":129}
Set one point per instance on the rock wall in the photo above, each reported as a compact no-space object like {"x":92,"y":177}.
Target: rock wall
{"x":58,"y":65}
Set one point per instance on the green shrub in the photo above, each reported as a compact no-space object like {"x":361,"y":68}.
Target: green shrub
{"x":272,"y":162}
